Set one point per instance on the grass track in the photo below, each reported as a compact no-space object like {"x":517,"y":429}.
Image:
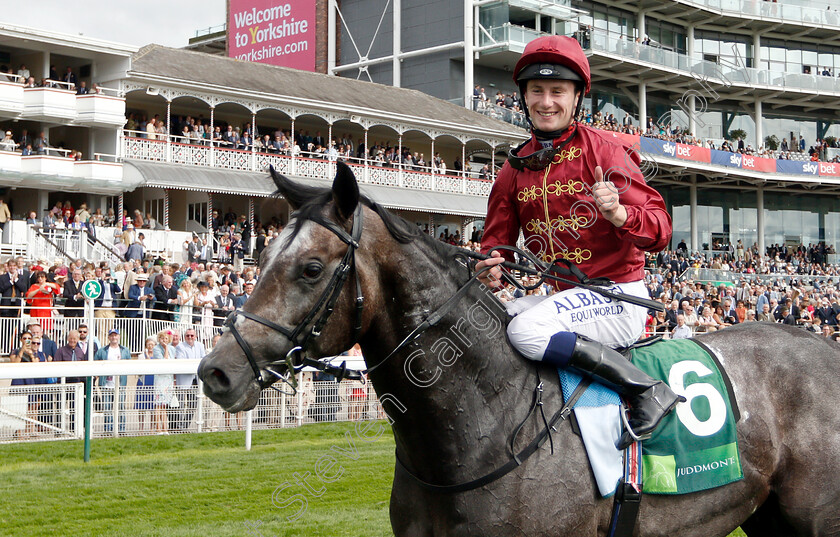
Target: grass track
{"x":197,"y":485}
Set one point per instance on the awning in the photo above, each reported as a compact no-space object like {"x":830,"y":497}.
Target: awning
{"x":202,"y":179}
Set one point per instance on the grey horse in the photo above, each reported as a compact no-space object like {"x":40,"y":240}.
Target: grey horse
{"x":457,"y":392}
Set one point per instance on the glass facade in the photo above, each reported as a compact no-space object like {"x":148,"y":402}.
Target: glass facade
{"x":725,"y":216}
{"x":785,"y":57}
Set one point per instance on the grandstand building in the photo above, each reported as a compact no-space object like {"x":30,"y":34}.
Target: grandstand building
{"x":101,"y":151}
{"x":688,"y":71}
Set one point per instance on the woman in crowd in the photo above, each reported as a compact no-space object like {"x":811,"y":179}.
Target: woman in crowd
{"x":741,"y":311}
{"x":205,"y":302}
{"x":720,"y":317}
{"x":164,"y":384}
{"x":138,"y":219}
{"x":186,"y":302}
{"x":144,"y":396}
{"x":224,"y":248}
{"x":40,"y":297}
{"x":28,"y":353}
{"x":706,"y":321}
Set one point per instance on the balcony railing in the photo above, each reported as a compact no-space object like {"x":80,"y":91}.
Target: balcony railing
{"x":789,"y":12}
{"x":605,"y":42}
{"x":11,"y":95}
{"x":173,"y":152}
{"x":49,"y":103}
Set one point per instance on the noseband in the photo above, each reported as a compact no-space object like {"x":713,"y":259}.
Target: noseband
{"x":300,"y":335}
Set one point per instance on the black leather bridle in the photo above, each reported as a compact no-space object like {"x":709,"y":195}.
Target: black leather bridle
{"x":312,"y":324}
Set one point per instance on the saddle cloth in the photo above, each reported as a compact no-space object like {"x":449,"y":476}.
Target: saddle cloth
{"x":694,"y":448}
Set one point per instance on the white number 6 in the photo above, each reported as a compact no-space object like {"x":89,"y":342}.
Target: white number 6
{"x":686,"y":416}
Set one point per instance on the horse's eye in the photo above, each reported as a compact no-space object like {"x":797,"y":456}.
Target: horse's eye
{"x":312,"y":270}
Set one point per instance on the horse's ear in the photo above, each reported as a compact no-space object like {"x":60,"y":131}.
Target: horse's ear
{"x":294,"y":193}
{"x":345,"y":190}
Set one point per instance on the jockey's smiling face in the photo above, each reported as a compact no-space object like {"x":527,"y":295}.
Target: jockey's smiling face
{"x":551,"y":103}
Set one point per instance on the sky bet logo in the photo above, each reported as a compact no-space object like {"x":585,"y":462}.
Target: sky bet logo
{"x":809,"y":168}
{"x":683,"y":151}
{"x":735,"y":159}
{"x":749,"y":162}
{"x":669,"y":149}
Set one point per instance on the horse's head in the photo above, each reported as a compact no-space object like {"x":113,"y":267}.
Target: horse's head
{"x":308,"y":300}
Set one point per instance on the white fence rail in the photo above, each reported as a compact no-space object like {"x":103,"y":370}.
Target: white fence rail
{"x":149,"y":404}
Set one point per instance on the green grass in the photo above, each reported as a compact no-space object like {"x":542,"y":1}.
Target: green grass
{"x":197,"y":485}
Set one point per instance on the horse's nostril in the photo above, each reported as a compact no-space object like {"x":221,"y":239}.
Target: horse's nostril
{"x":217,"y":380}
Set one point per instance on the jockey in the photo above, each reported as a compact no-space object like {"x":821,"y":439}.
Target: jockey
{"x":577,"y":193}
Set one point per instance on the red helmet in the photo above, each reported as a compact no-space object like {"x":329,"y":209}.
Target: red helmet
{"x":556,"y":57}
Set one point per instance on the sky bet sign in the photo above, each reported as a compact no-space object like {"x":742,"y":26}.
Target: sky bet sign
{"x":277,"y":32}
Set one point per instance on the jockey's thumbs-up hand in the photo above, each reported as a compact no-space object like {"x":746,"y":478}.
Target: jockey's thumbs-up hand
{"x":606,"y":198}
{"x":492,"y":277}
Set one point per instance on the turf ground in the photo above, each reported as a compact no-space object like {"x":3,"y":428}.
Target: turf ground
{"x":203,"y":485}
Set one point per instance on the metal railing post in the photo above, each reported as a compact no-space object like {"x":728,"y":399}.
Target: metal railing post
{"x":199,"y":407}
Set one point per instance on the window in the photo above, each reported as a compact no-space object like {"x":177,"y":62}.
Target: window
{"x":198,"y":213}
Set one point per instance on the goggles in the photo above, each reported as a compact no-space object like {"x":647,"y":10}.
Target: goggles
{"x":540,"y":159}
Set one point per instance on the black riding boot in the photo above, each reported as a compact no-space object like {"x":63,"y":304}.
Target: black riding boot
{"x":649,"y":400}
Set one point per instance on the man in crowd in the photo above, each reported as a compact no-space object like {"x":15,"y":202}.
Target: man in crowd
{"x":190,"y":348}
{"x":108,"y":298}
{"x":71,"y":352}
{"x":139,"y":295}
{"x":74,"y":300}
{"x":84,"y":340}
{"x":13,"y":286}
{"x":166,"y":299}
{"x":243,"y":298}
{"x":114,"y":351}
{"x":765,"y":314}
{"x":194,"y":249}
{"x":671,"y":314}
{"x":681,"y":331}
{"x":224,"y":305}
{"x":136,"y":250}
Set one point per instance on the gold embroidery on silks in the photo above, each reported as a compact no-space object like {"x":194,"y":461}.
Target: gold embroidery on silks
{"x":557,"y":224}
{"x":530,"y":193}
{"x":571,"y":187}
{"x":557,"y":188}
{"x":576,"y":256}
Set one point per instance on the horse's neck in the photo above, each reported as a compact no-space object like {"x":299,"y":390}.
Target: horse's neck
{"x":460,"y":374}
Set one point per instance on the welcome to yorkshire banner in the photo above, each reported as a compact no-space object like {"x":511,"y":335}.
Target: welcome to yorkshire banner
{"x":277,"y":32}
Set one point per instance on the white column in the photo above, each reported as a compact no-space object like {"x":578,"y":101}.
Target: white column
{"x":212,"y":129}
{"x":640,"y":25}
{"x":46,"y":69}
{"x":331,"y":31}
{"x":689,"y":41}
{"x":468,"y":53}
{"x":294,"y":161}
{"x":399,"y":160}
{"x":759,"y":130}
{"x":493,"y":162}
{"x":464,"y":160}
{"x":168,"y":131}
{"x":366,"y":155}
{"x":642,"y":106}
{"x":692,"y":104}
{"x":254,"y":142}
{"x":432,"y":163}
{"x":759,"y":226}
{"x":693,"y":213}
{"x":757,"y":50}
{"x":395,"y":65}
{"x":692,"y":115}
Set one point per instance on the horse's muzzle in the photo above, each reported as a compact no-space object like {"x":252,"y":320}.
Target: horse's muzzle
{"x":231,"y":388}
